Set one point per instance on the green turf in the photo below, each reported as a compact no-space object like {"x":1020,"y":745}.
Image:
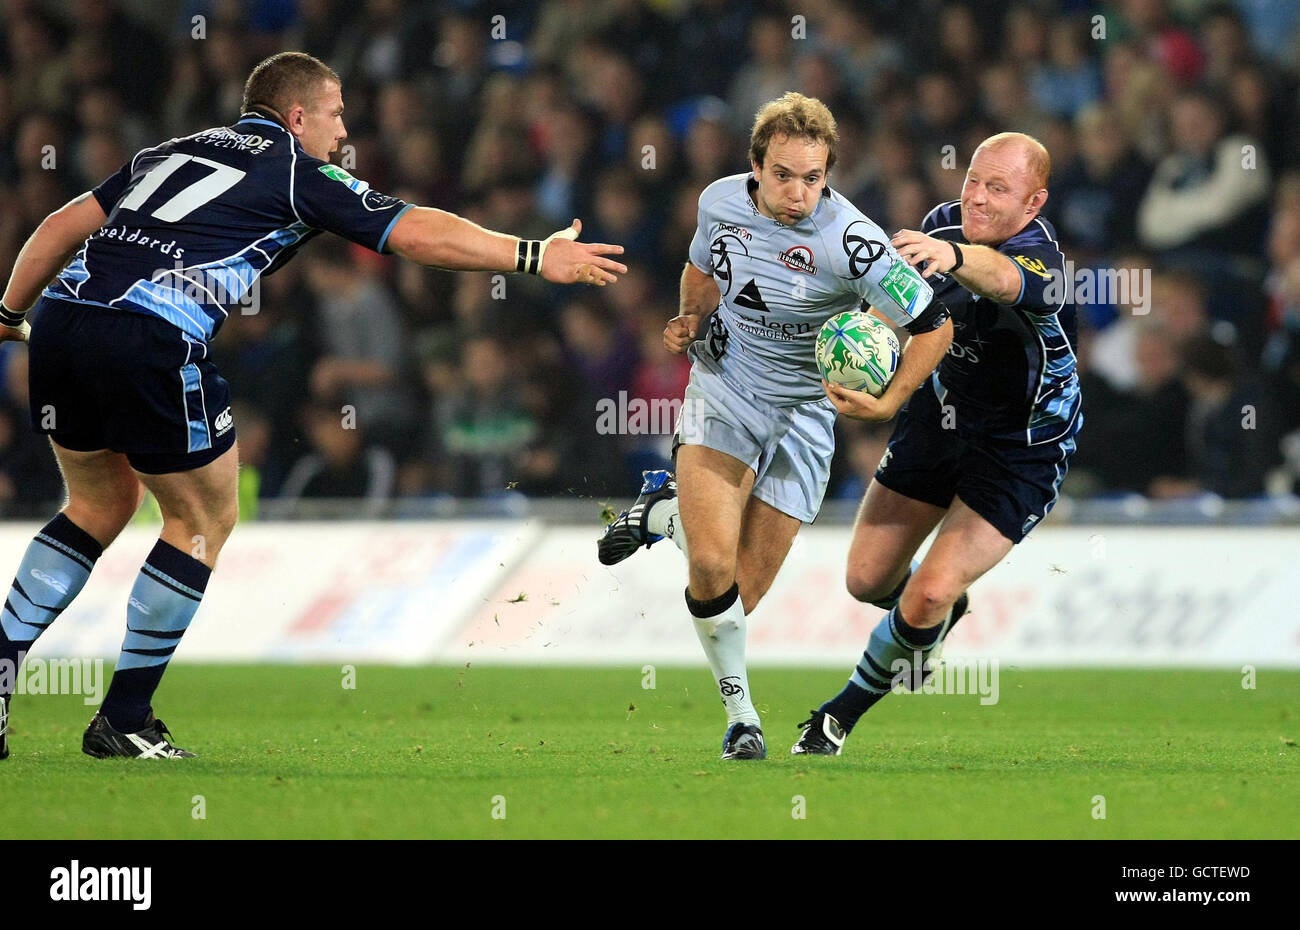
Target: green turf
{"x":423,"y":752}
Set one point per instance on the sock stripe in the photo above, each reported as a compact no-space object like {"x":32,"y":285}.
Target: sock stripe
{"x":161,"y":652}
{"x":173,"y":584}
{"x":869,"y":683}
{"x":876,"y":670}
{"x":157,"y":634}
{"x":28,"y":597}
{"x":33,"y":623}
{"x":905,"y":643}
{"x":67,"y":550}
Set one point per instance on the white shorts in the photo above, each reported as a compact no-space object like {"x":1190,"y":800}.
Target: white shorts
{"x":789,"y":449}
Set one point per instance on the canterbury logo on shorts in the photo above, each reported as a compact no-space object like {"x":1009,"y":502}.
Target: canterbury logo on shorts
{"x":223,"y":421}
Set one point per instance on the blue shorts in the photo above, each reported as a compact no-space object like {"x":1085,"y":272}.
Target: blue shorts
{"x":1011,"y":485}
{"x":103,"y":378}
{"x":789,"y":449}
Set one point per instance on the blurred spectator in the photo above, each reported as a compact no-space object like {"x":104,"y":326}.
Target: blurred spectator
{"x":1096,"y":202}
{"x":942,"y":111}
{"x":1141,"y":94}
{"x":769,"y":72}
{"x":600,"y":352}
{"x":480,"y":425}
{"x":1176,"y":304}
{"x":961,"y":42}
{"x":363,"y":353}
{"x":29,"y":476}
{"x":266,"y":356}
{"x":1231,"y":440}
{"x":1208,"y":193}
{"x":704,"y":55}
{"x":1174,"y":48}
{"x":1070,"y":79}
{"x":568,"y":145}
{"x":712,"y":151}
{"x":39,"y":74}
{"x":137,"y":55}
{"x":621,"y":215}
{"x":863,"y":55}
{"x":341,"y":464}
{"x":1136,"y":437}
{"x":909,"y":201}
{"x":652,"y":158}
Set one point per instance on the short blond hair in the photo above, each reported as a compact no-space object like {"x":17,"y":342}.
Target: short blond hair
{"x":1037,"y":159}
{"x":797,"y":117}
{"x":286,"y":79}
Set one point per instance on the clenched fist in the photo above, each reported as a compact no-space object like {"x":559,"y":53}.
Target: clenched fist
{"x":680,"y":333}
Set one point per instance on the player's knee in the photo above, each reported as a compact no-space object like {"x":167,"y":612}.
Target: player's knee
{"x":227,"y":520}
{"x":928,"y":596}
{"x":222,"y":519}
{"x":103,"y":518}
{"x":866,"y":585}
{"x":713,"y":571}
{"x":214,"y":521}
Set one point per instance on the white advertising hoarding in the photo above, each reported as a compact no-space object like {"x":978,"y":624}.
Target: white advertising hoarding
{"x":522,"y":592}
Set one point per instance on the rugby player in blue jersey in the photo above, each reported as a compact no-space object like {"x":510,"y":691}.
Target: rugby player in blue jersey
{"x":149,"y":264}
{"x":981,"y":447}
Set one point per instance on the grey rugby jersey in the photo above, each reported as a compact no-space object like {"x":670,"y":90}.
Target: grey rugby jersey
{"x":779,"y":284}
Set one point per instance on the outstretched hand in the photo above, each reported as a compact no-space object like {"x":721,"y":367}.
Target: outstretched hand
{"x":566,"y":261}
{"x":916,"y":247}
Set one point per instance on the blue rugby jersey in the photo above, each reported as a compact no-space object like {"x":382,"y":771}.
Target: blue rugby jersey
{"x":192,"y":223}
{"x":1010,"y":371}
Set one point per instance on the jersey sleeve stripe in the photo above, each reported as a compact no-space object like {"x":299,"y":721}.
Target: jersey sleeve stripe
{"x":932,"y":215}
{"x":293,"y":171}
{"x":383,"y":240}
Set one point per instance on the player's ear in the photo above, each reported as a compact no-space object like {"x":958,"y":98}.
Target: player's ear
{"x":1037,"y":201}
{"x":295,"y":118}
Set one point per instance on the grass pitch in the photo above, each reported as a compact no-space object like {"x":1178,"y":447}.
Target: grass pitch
{"x":286,"y":752}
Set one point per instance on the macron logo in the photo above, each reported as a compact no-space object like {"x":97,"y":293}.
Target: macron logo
{"x":58,"y":584}
{"x":78,"y":883}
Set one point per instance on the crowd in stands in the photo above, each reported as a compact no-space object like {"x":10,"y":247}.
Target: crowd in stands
{"x":1172,"y":126}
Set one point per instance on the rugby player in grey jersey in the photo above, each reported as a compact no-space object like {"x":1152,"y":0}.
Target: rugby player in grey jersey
{"x":776,"y":253}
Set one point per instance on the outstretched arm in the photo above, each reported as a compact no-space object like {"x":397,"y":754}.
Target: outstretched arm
{"x":444,"y":240}
{"x":44,"y":255}
{"x":982,"y":271}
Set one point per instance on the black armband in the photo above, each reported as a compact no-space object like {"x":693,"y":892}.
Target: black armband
{"x":528,"y":256}
{"x":960,"y":258}
{"x":930,"y":319}
{"x":13,"y":318}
